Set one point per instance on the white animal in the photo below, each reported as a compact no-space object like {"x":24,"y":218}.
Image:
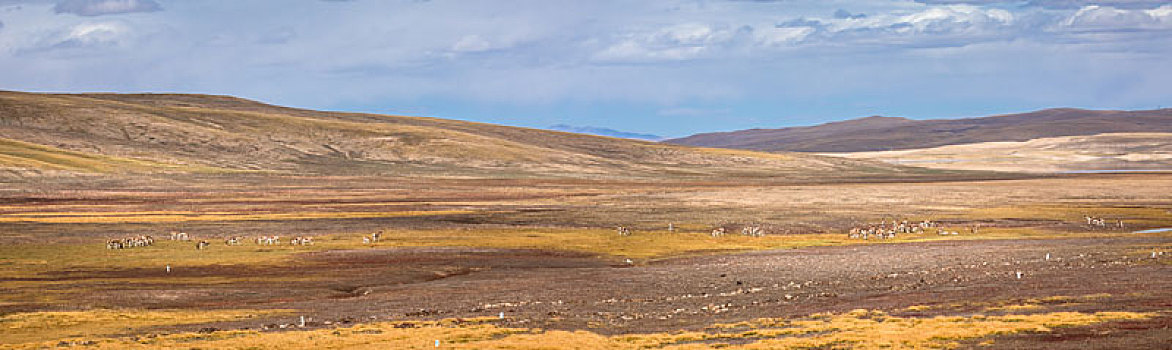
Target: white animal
{"x":624,"y":231}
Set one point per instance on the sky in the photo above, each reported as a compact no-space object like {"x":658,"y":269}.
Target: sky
{"x":668,"y":67}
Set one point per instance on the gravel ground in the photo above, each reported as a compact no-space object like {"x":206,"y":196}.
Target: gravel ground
{"x":567,"y":291}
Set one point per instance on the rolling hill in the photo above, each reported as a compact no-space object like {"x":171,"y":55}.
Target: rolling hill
{"x":178,"y":133}
{"x":1102,"y":152}
{"x":888,"y":133}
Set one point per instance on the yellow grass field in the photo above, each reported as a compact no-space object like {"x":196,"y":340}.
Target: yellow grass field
{"x":174,"y":217}
{"x":859,"y":329}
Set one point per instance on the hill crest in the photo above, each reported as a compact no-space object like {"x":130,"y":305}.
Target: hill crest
{"x":163,"y":133}
{"x":885,"y":133}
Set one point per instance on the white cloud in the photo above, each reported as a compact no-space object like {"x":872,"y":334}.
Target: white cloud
{"x":690,"y":34}
{"x":671,"y":43}
{"x":85,"y":35}
{"x":781,"y":36}
{"x":936,"y":25}
{"x":634,"y":51}
{"x":105,"y":7}
{"x":1103,"y":18}
{"x":1058,"y":4}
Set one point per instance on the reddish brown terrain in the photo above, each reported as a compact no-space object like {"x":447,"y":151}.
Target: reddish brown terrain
{"x":480,"y":221}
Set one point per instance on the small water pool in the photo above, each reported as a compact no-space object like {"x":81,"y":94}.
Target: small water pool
{"x":1155,"y":230}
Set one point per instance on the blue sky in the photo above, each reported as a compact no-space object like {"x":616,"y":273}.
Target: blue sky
{"x":671,"y":67}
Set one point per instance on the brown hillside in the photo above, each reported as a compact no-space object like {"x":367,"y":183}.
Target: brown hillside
{"x":162,"y":133}
{"x":1110,"y":152}
{"x":883,"y":134}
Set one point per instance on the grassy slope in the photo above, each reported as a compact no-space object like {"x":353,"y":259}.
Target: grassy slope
{"x":230,"y":133}
{"x":22,"y":155}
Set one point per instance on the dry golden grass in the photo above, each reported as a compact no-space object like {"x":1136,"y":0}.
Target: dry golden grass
{"x":180,"y":216}
{"x":18,"y":154}
{"x":46,"y":326}
{"x":861,"y":329}
{"x":640,"y":245}
{"x":661,"y":244}
{"x":25,"y":260}
{"x":1015,"y":305}
{"x":1133,"y":216}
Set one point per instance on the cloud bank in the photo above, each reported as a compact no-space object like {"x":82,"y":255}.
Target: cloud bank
{"x":703,"y":65}
{"x":105,"y":7}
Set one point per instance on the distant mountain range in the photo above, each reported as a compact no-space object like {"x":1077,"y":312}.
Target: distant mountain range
{"x":889,"y":133}
{"x":604,"y":132}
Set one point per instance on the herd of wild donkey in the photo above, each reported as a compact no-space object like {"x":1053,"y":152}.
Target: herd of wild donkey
{"x":146,"y":240}
{"x":883,"y":230}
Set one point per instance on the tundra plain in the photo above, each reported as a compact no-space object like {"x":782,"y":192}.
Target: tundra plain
{"x":457,"y":254}
{"x":496,"y":237}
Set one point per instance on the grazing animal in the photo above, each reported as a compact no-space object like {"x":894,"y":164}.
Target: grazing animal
{"x":751,"y":231}
{"x":365,"y":240}
{"x":1094,"y":222}
{"x":624,"y":231}
{"x":233,"y":240}
{"x":130,"y":242}
{"x":202,"y":244}
{"x":268,"y":240}
{"x":374,"y":237}
{"x":719,"y":231}
{"x":897,"y":227}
